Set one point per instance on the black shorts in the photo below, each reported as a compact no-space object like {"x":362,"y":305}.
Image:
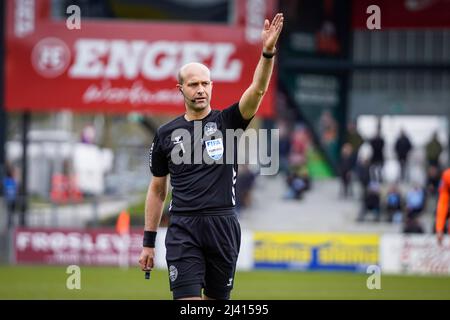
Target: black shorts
{"x":202,"y":252}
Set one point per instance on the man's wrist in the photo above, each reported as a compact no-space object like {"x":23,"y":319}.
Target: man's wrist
{"x":269,"y":49}
{"x":269,"y":53}
{"x":149,"y":239}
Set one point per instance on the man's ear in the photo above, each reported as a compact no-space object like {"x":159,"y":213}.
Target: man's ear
{"x":179,"y":86}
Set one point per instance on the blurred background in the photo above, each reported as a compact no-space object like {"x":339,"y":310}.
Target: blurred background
{"x":363,"y":118}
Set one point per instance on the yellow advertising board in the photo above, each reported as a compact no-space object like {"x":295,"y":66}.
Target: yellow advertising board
{"x":315,"y":251}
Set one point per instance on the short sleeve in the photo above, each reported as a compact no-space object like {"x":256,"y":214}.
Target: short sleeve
{"x":157,"y":159}
{"x":233,"y":119}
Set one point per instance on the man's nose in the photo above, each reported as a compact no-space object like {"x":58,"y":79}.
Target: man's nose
{"x":201,"y":90}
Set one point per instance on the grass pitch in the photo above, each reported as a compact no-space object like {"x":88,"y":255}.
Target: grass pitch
{"x":49,"y":282}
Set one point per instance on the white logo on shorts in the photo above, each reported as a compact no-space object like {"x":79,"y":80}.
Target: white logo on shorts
{"x":173,"y":273}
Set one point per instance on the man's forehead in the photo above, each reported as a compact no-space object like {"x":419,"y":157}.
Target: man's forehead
{"x":196,"y":78}
{"x":195,"y":72}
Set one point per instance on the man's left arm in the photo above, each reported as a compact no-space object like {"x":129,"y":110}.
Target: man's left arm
{"x":252,"y":97}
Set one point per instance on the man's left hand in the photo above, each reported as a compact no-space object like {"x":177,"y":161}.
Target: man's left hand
{"x":270,"y":33}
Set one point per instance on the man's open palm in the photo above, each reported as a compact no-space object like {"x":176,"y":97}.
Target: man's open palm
{"x":271,"y":32}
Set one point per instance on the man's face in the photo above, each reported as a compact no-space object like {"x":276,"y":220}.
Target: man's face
{"x":197,"y":88}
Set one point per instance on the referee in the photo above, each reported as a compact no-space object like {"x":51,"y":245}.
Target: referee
{"x":203,"y":237}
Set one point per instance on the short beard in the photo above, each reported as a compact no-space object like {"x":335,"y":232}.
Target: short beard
{"x":196,"y":108}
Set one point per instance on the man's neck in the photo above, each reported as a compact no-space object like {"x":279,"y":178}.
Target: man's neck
{"x":191,"y":115}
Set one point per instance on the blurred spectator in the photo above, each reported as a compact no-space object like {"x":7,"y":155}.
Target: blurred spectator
{"x":403,"y":147}
{"x":345,"y":168}
{"x":285,"y":146}
{"x":433,"y":150}
{"x":354,"y":138}
{"x":327,"y":126}
{"x":328,"y":129}
{"x":415,"y":201}
{"x":363,"y":170}
{"x":394,"y":204}
{"x":88,"y":135}
{"x":64,"y":186}
{"x":298,"y":177}
{"x":244,"y":185}
{"x":377,"y":160}
{"x":299,"y":144}
{"x":371,"y":202}
{"x":10,"y":189}
{"x":412,"y":225}
{"x":433,"y":179}
{"x":298,"y":181}
{"x":326,"y":38}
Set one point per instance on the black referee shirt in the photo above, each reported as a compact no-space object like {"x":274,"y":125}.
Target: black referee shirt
{"x":206,"y":183}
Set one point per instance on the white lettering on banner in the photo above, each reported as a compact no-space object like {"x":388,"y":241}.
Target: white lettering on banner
{"x":135,"y":95}
{"x":23,"y":240}
{"x":87,"y":61}
{"x":195,"y":51}
{"x":124,"y":59}
{"x":222,"y":69}
{"x":167,"y":63}
{"x":103,"y":243}
{"x":75,"y":242}
{"x":156,"y":60}
{"x":24,"y":22}
{"x":39,"y":242}
{"x":121,"y":243}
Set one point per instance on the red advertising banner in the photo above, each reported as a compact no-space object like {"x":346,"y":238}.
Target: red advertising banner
{"x":77,"y":246}
{"x":118,"y":66}
{"x":404,"y":13}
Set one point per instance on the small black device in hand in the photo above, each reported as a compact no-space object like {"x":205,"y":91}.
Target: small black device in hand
{"x":147,"y":275}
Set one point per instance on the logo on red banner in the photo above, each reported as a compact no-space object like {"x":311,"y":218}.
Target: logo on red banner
{"x":50,"y":57}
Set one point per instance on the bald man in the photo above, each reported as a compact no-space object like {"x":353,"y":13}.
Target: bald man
{"x":204,"y":235}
